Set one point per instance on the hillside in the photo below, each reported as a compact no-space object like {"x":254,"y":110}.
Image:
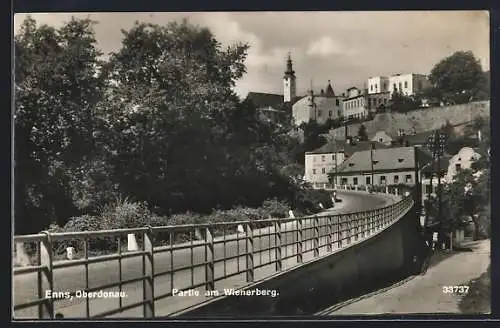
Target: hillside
{"x":419,"y":120}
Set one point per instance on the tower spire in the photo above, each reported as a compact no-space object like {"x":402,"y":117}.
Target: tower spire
{"x":290,"y":89}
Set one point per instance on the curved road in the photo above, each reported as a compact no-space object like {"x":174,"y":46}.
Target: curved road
{"x":73,"y":278}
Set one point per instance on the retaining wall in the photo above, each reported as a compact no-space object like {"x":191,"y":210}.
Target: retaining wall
{"x":363,"y":267}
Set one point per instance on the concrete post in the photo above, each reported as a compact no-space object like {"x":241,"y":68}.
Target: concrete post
{"x":46,"y":278}
{"x":132,"y":243}
{"x":22,"y":258}
{"x":209,"y":269}
{"x":249,"y":253}
{"x":148,"y":271}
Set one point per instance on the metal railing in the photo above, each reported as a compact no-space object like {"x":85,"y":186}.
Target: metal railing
{"x":283,"y":239}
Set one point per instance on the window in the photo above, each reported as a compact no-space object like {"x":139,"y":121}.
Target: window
{"x":380,"y":140}
{"x":400,"y":86}
{"x":337,"y":102}
{"x":319,"y":113}
{"x":368,"y":181}
{"x":340,"y":113}
{"x":371,"y":87}
{"x":343,"y":181}
{"x":323,"y":170}
{"x":396,"y":179}
{"x":406,"y":84}
{"x":458,"y":167}
{"x":395,"y":87}
{"x":330,"y":113}
{"x":314,"y":171}
{"x":322,"y":158}
{"x":408,"y":178}
{"x":385,"y":86}
{"x":355,"y":181}
{"x":382,"y":179}
{"x":376,"y":87}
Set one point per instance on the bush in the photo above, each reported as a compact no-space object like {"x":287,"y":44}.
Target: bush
{"x":125,"y":214}
{"x":307,"y":201}
{"x":276,"y":208}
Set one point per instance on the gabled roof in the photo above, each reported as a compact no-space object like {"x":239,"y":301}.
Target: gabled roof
{"x":260,"y":99}
{"x":330,"y":148}
{"x":348,"y":149}
{"x":383,"y":159}
{"x":329,"y":90}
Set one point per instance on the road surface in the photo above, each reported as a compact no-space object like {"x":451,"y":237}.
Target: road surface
{"x":73,"y":278}
{"x":424,"y":294}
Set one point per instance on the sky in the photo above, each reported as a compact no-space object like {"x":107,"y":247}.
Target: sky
{"x":344,"y":47}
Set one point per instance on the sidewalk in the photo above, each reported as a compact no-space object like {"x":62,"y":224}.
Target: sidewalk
{"x":424,"y":293}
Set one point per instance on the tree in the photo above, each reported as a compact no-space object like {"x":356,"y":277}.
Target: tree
{"x":403,"y":103}
{"x":362,"y":133}
{"x":464,"y":200}
{"x":458,"y":78}
{"x":57,"y":89}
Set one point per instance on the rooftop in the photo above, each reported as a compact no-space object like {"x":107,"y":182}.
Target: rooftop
{"x":261,"y":100}
{"x":348,"y":149}
{"x":383,"y":159}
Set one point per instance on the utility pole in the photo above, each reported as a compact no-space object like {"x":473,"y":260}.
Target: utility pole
{"x":371,"y":162}
{"x":436,"y":143}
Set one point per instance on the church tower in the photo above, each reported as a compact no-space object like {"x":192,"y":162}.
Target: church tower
{"x":289,"y":82}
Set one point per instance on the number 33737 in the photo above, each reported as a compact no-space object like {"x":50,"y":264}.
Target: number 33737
{"x":455,"y":289}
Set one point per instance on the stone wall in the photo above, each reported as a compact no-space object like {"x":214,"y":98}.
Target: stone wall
{"x":420,"y":120}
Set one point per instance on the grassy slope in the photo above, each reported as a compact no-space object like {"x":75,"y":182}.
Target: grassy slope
{"x":478,"y":299}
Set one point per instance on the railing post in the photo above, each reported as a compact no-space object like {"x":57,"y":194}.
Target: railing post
{"x":45,"y":277}
{"x":316,"y":236}
{"x":358,"y":223}
{"x":299,"y":240}
{"x":348,"y":229}
{"x":372,"y":222}
{"x":329,"y":234}
{"x":209,"y":267}
{"x":148,"y":272}
{"x":277,"y":246}
{"x":249,"y":253}
{"x":340,"y":230}
{"x":366,"y":223}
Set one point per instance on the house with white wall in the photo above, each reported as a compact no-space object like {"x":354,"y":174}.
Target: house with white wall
{"x":408,"y":84}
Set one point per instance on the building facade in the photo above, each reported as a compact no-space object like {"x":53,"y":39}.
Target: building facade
{"x":389,"y":166}
{"x":318,"y":107}
{"x":461,"y":161}
{"x":320,"y":162}
{"x":354,"y":106}
{"x":408,"y":84}
{"x":378,"y":84}
{"x":328,"y":158}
